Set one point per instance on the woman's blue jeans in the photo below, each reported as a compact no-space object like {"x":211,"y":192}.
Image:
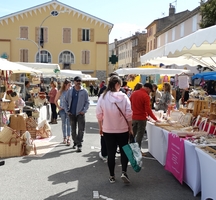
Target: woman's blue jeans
{"x":66,"y":127}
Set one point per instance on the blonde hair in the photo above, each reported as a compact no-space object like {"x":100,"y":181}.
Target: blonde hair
{"x":64,"y":85}
{"x":54,"y":83}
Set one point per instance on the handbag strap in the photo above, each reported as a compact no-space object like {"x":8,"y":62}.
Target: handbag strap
{"x":122,"y":114}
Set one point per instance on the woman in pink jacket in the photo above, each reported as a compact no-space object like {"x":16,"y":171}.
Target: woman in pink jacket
{"x":113,"y":125}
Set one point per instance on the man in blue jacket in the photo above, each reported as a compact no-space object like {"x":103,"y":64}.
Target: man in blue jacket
{"x":76,"y":105}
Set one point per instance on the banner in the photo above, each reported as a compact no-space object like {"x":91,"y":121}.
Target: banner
{"x":175,"y":156}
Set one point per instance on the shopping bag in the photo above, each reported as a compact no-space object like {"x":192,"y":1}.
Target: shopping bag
{"x":134,"y":155}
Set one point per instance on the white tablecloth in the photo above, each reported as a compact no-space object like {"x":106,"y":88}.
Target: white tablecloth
{"x":45,"y":112}
{"x":157,"y":143}
{"x":208,"y":175}
{"x":157,"y":146}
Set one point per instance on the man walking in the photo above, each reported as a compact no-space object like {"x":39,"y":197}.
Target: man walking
{"x":76,"y":105}
{"x":140,"y":103}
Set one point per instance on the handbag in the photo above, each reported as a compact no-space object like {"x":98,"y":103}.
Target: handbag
{"x":6,"y":134}
{"x":5,"y":101}
{"x":133,"y":153}
{"x":14,"y":96}
{"x":28,"y":143}
{"x":36,"y":80}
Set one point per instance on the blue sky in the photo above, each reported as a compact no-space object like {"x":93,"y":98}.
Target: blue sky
{"x":128,"y":16}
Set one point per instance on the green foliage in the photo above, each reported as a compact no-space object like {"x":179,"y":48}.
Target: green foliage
{"x":208,"y":13}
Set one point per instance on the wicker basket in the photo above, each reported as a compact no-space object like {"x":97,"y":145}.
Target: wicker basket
{"x":6,"y":134}
{"x":11,"y":149}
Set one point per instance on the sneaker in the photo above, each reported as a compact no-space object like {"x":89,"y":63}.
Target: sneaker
{"x":125,"y":178}
{"x":74,"y":146}
{"x":112,"y":179}
{"x":68,"y":142}
{"x":101,"y":157}
{"x":79,"y":149}
{"x":64,"y":141}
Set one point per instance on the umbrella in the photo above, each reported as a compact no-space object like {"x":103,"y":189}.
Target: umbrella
{"x":15,"y":67}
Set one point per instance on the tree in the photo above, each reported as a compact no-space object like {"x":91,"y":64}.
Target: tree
{"x":208,"y":13}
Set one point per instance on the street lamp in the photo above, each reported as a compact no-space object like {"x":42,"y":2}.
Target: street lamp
{"x":54,"y":13}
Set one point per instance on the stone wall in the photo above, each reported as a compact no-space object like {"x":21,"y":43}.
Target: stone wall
{"x":101,"y":75}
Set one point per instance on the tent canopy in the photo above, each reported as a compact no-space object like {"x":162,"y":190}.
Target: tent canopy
{"x":197,"y":48}
{"x":150,"y":71}
{"x":15,"y":67}
{"x":204,"y":74}
{"x":45,"y":68}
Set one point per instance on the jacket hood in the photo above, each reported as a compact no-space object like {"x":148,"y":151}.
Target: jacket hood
{"x":115,"y":97}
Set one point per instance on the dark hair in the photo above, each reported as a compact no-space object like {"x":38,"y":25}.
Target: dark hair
{"x":111,"y":84}
{"x":148,"y":85}
{"x":155,"y":85}
{"x":26,"y":83}
{"x":77,"y":78}
{"x":124,"y":83}
{"x":113,"y":74}
{"x":138,"y":86}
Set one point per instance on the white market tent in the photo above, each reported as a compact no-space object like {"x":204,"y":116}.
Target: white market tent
{"x":196,"y":48}
{"x":15,"y":67}
{"x":48,"y":70}
{"x":45,"y":68}
{"x":150,"y":71}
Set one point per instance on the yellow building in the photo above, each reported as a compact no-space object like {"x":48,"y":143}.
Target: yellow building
{"x":54,"y":32}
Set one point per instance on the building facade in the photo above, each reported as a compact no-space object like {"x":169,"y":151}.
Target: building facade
{"x":54,"y":32}
{"x":180,"y":28}
{"x":159,"y":24}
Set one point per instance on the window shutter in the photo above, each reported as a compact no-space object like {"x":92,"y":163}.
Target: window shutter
{"x":45,"y":35}
{"x":87,"y":57}
{"x":79,"y":34}
{"x":21,"y":55}
{"x":25,"y":59}
{"x":83,"y":57}
{"x":36,"y":34}
{"x":24,"y":32}
{"x":69,"y":35}
{"x":91,"y":35}
{"x":21,"y":32}
{"x":64,"y":35}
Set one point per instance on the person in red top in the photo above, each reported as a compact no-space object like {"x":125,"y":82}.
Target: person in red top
{"x":52,"y":95}
{"x":140,"y":103}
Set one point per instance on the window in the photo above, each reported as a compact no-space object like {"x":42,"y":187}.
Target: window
{"x":136,"y":42}
{"x":85,"y":35}
{"x":66,"y":57}
{"x":45,"y":57}
{"x":66,"y":35}
{"x":24,"y":32}
{"x":43,"y":35}
{"x":194,"y":27}
{"x":23,"y":55}
{"x":85,"y":57}
{"x":173,"y":34}
{"x":182,"y":30}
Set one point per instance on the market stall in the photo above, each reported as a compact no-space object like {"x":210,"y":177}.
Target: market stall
{"x":16,"y":124}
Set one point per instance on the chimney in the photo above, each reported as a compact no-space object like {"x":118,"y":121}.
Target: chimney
{"x":171,"y":10}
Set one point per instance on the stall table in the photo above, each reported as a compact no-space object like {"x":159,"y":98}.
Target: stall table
{"x":208,"y":176}
{"x":157,"y":146}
